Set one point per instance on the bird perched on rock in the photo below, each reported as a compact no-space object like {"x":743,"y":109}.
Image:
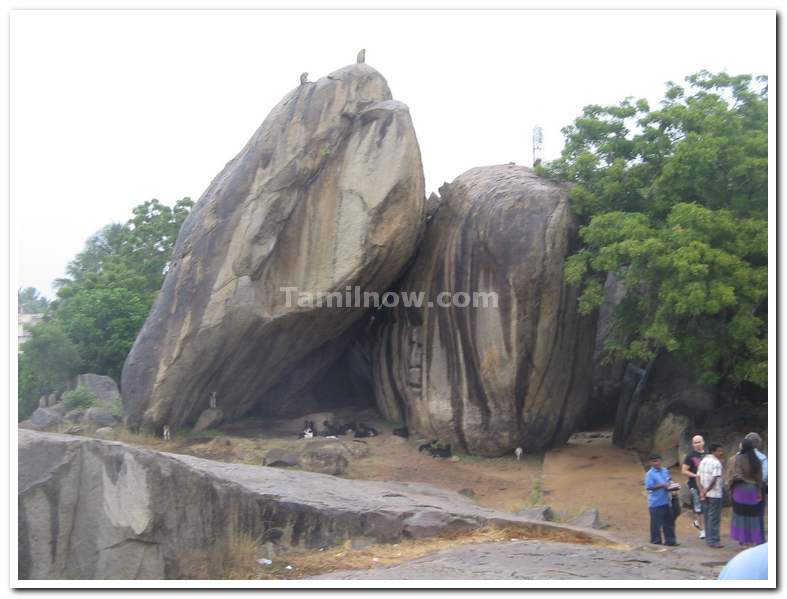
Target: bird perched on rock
{"x":518,"y":453}
{"x":361,"y":58}
{"x":304,"y":78}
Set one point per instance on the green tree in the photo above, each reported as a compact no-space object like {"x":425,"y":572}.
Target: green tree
{"x":31,"y":301}
{"x":675,"y":201}
{"x":113,"y":282}
{"x":48,"y":360}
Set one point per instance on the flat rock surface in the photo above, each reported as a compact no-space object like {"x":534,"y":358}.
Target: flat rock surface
{"x":535,"y":560}
{"x":97,"y":509}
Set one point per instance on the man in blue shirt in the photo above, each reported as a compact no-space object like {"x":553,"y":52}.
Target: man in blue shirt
{"x":657,"y":481}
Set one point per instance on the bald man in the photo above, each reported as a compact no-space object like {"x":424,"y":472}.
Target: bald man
{"x":689,"y":468}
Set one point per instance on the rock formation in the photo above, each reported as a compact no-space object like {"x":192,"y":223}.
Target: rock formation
{"x":327,"y":194}
{"x":489,"y":379}
{"x":93,"y":509}
{"x":665,"y":393}
{"x":607,"y":374}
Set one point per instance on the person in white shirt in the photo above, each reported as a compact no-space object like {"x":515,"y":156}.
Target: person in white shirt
{"x":710,"y":487}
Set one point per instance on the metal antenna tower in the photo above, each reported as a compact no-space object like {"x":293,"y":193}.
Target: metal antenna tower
{"x":538,"y":144}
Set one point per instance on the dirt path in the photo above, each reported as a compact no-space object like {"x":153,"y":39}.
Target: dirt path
{"x":590,"y":472}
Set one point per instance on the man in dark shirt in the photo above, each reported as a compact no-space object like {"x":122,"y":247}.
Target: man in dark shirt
{"x":689,"y":468}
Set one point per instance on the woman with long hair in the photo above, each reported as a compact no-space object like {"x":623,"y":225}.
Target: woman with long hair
{"x":746,"y":494}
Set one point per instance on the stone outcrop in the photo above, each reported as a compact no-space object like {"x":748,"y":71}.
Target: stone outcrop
{"x":94,"y":509}
{"x":607,"y":374}
{"x":208,"y":419}
{"x":103,"y":387}
{"x":328,"y":193}
{"x":489,"y":379}
{"x":666,"y":391}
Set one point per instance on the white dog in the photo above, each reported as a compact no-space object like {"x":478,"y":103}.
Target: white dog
{"x":166,"y":433}
{"x":518,"y":453}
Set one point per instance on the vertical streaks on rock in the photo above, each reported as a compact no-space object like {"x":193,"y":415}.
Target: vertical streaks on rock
{"x":491,"y":378}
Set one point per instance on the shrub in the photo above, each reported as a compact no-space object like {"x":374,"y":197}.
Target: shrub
{"x":79,"y":398}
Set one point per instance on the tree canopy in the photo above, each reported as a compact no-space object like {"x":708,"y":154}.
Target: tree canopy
{"x":674,"y":200}
{"x":31,"y":301}
{"x":105,"y":299}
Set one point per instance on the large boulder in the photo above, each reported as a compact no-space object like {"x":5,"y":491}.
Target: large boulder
{"x":94,"y":509}
{"x":489,"y":379}
{"x":327,"y":195}
{"x":103,"y":387}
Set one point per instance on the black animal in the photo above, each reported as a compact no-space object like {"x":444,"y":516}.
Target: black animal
{"x":329,"y":430}
{"x":401,"y":432}
{"x":348,"y":429}
{"x":436,"y":449}
{"x":365,"y":431}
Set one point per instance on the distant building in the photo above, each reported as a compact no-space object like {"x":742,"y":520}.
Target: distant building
{"x":25,"y":323}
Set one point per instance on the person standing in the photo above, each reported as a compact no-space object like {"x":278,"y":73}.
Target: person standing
{"x":746,"y":494}
{"x":710,"y":477}
{"x":756,"y":440}
{"x":657,"y":481}
{"x":689,"y":468}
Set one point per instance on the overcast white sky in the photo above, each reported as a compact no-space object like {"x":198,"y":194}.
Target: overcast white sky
{"x":112,"y":108}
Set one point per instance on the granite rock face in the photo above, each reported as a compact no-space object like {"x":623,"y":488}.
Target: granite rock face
{"x":94,"y":509}
{"x":665,"y":392}
{"x":489,"y":379}
{"x":328,"y":193}
{"x":607,"y":375}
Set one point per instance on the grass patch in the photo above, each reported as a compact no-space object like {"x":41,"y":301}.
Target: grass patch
{"x":536,"y":494}
{"x":232,"y":558}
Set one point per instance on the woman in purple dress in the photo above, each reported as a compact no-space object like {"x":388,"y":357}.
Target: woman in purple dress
{"x":746,"y":493}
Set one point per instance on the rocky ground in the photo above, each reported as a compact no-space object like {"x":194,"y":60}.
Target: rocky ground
{"x":588,"y":472}
{"x":536,"y":560}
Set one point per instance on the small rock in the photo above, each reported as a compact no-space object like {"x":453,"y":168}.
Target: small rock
{"x":279,"y":458}
{"x":324,"y":459}
{"x":75,"y":415}
{"x":99,"y":417}
{"x":455,"y":458}
{"x":587,"y":519}
{"x":288,"y":567}
{"x":105,"y":432}
{"x":44,"y":418}
{"x":209,"y":418}
{"x":430,"y":523}
{"x":467,"y":492}
{"x":264,"y":562}
{"x":73,"y":430}
{"x":537,"y":512}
